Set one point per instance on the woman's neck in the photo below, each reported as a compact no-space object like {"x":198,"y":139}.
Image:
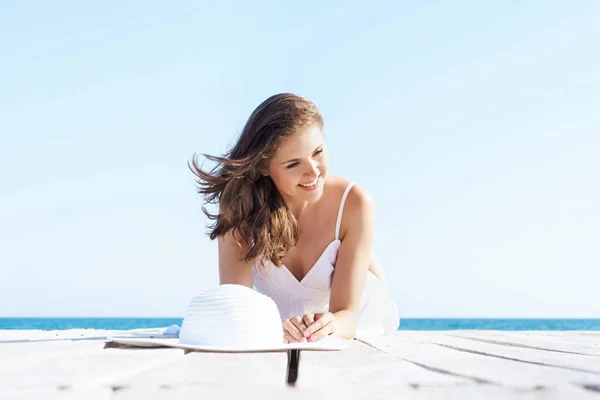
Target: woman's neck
{"x":298,"y":208}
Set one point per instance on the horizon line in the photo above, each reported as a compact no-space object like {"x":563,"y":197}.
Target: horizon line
{"x":182,"y":317}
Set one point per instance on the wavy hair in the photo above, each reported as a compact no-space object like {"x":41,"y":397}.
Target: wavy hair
{"x":249,"y":204}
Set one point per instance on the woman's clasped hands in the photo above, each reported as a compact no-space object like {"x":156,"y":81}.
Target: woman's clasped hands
{"x":309,"y":328}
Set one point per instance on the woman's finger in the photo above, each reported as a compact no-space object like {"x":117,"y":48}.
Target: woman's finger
{"x":293,"y":331}
{"x":308,"y":320}
{"x":287,"y":338}
{"x":320,"y":321}
{"x":323,"y":326}
{"x":300,"y":325}
{"x":321,"y":333}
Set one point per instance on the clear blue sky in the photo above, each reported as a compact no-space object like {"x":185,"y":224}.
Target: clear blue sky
{"x":475,"y":125}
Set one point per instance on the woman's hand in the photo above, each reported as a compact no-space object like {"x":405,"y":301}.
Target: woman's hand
{"x":309,"y":328}
{"x":319,"y":325}
{"x":293,"y":330}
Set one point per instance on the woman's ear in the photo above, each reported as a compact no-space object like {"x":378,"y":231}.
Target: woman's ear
{"x":265,"y":167}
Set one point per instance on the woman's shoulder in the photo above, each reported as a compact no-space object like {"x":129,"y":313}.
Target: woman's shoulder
{"x":358,"y":204}
{"x":358,"y":198}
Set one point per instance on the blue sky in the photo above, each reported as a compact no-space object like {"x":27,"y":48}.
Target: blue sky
{"x":475,"y":125}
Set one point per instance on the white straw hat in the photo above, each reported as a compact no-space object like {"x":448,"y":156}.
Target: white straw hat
{"x":231,"y":318}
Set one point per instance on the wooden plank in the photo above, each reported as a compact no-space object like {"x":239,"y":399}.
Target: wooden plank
{"x":563,"y":333}
{"x":578,"y":337}
{"x":56,"y":394}
{"x":477,"y":367}
{"x":366,"y":392}
{"x":420,"y":365}
{"x":584,"y":343}
{"x":225,"y":391}
{"x":17,"y":350}
{"x":35,"y":335}
{"x":570,"y":335}
{"x":13,"y":343}
{"x":366,"y":364}
{"x":351,"y":371}
{"x":577,"y":344}
{"x":76,"y":364}
{"x":566,"y":361}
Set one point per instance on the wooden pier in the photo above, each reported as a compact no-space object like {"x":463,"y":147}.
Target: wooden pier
{"x":468,"y":364}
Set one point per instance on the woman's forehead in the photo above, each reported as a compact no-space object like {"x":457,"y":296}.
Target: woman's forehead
{"x":300,"y":143}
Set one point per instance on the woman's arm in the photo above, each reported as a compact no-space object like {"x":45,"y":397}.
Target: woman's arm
{"x":377,"y":271}
{"x":352,"y":263}
{"x":232,"y":267}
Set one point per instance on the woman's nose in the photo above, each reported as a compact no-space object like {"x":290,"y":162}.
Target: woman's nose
{"x":313,"y":169}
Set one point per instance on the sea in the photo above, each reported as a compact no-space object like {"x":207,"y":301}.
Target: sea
{"x":419,"y":324}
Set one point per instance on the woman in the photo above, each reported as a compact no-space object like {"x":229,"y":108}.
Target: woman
{"x":291,"y":231}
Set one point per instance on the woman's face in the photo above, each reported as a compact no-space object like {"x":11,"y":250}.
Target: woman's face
{"x":299,"y":166}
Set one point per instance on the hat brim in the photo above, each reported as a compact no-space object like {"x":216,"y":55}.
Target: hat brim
{"x":330,"y":343}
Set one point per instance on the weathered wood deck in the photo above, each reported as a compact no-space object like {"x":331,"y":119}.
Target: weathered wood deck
{"x":410,"y":364}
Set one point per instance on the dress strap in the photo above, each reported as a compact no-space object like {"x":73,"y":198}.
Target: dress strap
{"x":339,"y":217}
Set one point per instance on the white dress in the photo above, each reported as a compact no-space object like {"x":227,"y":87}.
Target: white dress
{"x":378,"y":313}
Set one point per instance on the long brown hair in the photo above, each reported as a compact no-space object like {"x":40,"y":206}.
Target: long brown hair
{"x":249,"y":204}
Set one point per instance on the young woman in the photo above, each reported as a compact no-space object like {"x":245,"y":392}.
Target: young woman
{"x":288,"y":229}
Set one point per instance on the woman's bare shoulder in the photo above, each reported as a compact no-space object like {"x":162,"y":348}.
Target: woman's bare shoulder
{"x":360,"y":205}
{"x":335,"y":186}
{"x":358,"y":197}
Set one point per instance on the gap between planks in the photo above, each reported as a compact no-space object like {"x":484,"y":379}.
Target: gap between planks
{"x":478,"y":365}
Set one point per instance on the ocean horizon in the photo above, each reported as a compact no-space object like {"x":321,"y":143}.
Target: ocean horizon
{"x":426,"y":324}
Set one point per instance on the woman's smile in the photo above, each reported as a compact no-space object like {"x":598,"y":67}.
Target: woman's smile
{"x":311,"y":185}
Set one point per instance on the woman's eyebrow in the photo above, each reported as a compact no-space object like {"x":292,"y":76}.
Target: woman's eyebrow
{"x":297,"y":159}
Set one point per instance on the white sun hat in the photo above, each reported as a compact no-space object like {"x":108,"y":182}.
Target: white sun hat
{"x":231,"y":318}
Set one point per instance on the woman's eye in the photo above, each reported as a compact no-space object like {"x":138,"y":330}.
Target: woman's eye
{"x":292,"y":165}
